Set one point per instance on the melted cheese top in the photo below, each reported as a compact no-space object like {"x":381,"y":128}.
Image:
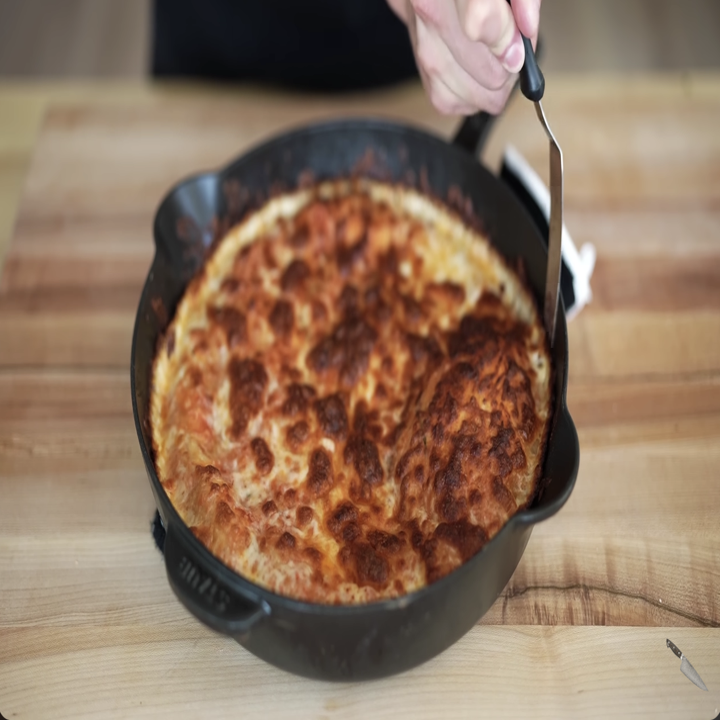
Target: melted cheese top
{"x":353,"y":396}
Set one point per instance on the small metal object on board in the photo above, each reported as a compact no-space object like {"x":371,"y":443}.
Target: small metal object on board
{"x":686,"y":668}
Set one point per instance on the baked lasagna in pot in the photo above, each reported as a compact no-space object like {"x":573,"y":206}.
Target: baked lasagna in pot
{"x":353,"y":396}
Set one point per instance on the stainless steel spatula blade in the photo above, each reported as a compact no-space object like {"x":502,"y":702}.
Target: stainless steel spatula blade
{"x":552,"y":276}
{"x":532,"y":84}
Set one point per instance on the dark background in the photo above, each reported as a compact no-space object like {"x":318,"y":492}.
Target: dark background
{"x":92,"y":38}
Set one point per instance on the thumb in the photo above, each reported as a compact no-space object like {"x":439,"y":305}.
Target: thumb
{"x":527,"y":17}
{"x":492,"y":23}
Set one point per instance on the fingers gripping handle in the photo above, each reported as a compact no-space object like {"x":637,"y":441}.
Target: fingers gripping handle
{"x":532,"y":81}
{"x":475,"y":129}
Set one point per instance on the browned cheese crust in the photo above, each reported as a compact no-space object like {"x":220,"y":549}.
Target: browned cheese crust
{"x":353,"y":397}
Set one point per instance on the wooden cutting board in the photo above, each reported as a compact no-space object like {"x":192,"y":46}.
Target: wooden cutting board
{"x":88,"y":624}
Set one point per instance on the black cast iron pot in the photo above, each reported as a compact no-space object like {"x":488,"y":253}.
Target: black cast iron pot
{"x":382,"y":638}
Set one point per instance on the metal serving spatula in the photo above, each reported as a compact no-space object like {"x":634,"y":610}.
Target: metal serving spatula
{"x":532,"y":84}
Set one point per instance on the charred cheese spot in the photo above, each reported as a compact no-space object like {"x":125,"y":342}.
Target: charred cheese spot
{"x":304,"y":515}
{"x":313,"y":554}
{"x":371,"y":568}
{"x":320,"y":475}
{"x":468,"y":539}
{"x":332,"y":416}
{"x":298,"y":399}
{"x":207,"y":472}
{"x":286,"y":541}
{"x":282,"y":318}
{"x":347,"y":348}
{"x":319,"y":311}
{"x":232,"y":321}
{"x":384,"y":541}
{"x":230,"y":285}
{"x":294,"y":276}
{"x":346,"y":512}
{"x":269,"y":507}
{"x":297,"y":434}
{"x":247,"y":383}
{"x":363,"y":455}
{"x":353,"y":397}
{"x":264,"y":459}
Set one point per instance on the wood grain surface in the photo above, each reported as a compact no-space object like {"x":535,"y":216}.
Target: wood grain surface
{"x":88,"y":624}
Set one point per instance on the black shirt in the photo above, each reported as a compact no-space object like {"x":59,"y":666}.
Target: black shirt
{"x":323,"y":45}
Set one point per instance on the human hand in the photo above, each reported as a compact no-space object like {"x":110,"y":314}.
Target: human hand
{"x":468,"y":51}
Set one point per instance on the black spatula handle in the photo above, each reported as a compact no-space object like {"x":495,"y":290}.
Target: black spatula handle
{"x":532,"y":81}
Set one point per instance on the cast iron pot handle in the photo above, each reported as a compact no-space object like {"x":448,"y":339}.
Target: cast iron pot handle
{"x":473,"y":132}
{"x":204,"y":595}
